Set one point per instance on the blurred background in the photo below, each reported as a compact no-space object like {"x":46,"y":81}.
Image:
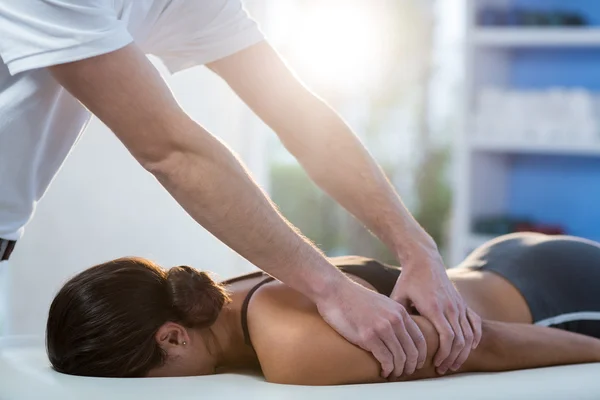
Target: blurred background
{"x":483,"y":114}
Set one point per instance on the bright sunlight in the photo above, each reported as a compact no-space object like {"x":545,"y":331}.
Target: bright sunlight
{"x":339,"y":45}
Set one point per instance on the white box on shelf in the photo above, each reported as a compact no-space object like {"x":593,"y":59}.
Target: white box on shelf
{"x":551,"y":116}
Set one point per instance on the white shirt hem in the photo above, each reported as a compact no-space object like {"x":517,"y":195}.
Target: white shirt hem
{"x":104,"y":45}
{"x":247,"y":39}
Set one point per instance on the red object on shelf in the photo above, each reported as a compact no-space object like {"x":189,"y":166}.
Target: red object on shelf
{"x":540,"y":228}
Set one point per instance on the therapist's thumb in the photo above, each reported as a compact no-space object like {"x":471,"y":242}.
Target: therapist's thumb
{"x":400,"y":296}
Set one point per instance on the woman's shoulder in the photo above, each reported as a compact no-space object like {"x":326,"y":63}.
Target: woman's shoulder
{"x":278,"y":318}
{"x":294,"y":345}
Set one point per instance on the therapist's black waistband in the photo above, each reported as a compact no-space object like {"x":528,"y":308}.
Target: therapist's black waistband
{"x":6,"y":248}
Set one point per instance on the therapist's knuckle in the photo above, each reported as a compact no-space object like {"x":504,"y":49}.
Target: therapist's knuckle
{"x":452,"y":310}
{"x":447,"y":334}
{"x":469,"y":336}
{"x":384,"y":326}
{"x":412,"y":354}
{"x":435,"y":307}
{"x":459,"y":342}
{"x":399,"y":320}
{"x":402,"y":312}
{"x":401,"y":358}
{"x":368,"y":335}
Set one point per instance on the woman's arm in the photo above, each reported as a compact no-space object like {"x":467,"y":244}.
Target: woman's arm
{"x":510,"y":346}
{"x":301,"y":349}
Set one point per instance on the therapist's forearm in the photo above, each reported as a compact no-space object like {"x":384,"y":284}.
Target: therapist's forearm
{"x":337,"y":161}
{"x":324,"y":145}
{"x":204,"y":176}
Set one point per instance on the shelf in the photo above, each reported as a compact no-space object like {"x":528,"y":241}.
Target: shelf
{"x":585,"y":149}
{"x":536,"y":37}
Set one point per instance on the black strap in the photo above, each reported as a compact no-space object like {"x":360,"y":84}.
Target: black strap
{"x":367,"y":269}
{"x":6,"y":248}
{"x":245,"y":309}
{"x":251,"y":275}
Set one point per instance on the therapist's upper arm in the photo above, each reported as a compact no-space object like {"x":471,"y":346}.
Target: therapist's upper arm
{"x":124,"y":90}
{"x":261,"y":78}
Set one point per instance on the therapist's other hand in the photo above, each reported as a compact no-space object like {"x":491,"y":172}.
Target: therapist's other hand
{"x":425,"y":285}
{"x":377,"y":324}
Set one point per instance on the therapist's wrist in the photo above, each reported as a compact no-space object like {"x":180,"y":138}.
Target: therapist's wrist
{"x":325,"y":282}
{"x":417,"y":246}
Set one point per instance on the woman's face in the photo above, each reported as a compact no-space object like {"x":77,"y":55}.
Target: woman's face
{"x":190,"y":359}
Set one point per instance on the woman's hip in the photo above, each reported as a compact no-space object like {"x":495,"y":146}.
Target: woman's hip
{"x":557,"y":276}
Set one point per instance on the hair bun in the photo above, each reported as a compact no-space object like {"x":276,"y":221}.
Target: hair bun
{"x":195,"y":298}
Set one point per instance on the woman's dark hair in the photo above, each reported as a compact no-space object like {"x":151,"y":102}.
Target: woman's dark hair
{"x":103,"y":321}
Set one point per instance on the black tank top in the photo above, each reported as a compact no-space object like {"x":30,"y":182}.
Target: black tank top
{"x":383,"y":278}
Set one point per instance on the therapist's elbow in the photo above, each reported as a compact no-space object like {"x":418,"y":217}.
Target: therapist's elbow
{"x":166,"y":153}
{"x":160,"y":157}
{"x":163,"y":165}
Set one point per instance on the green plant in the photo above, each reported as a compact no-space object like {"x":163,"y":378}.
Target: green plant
{"x":306,"y":206}
{"x":434,"y":194}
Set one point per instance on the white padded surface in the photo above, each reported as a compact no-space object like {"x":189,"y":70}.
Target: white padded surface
{"x":25,"y":373}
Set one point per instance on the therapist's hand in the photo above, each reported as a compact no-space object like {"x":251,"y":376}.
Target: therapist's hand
{"x":377,"y":324}
{"x":424,"y":284}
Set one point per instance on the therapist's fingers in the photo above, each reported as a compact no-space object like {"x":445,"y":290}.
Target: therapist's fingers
{"x":457,"y":344}
{"x":406,"y":363}
{"x":395,"y":339}
{"x":446,"y":334}
{"x":419,"y":341}
{"x":382,"y":354}
{"x":468,"y":335}
{"x":475,"y":321}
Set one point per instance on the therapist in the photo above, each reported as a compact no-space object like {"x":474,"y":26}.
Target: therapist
{"x":64,"y":60}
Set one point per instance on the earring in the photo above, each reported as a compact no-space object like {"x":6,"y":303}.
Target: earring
{"x":184,"y":343}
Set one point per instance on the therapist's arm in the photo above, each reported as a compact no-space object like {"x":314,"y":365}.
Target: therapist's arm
{"x":336,"y":160}
{"x":125,"y":91}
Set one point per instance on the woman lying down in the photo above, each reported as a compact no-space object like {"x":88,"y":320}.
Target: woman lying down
{"x":131,"y":318}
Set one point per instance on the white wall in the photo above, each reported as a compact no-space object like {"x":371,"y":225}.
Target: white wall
{"x":104,"y":205}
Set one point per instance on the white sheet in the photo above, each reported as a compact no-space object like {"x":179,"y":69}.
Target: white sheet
{"x":25,"y":373}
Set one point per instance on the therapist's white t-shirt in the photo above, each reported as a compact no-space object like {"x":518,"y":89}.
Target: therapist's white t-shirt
{"x":39,"y":121}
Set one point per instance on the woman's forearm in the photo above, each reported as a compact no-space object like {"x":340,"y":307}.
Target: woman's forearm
{"x":508,"y":346}
{"x":519,"y":346}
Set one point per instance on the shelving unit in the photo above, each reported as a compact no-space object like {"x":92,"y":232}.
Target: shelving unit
{"x":500,"y":146}
{"x":535,"y":37}
{"x":484,"y":166}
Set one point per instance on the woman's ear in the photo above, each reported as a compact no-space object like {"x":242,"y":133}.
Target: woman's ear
{"x":172,"y":337}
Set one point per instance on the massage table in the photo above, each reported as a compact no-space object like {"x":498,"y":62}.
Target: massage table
{"x":25,"y":373}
